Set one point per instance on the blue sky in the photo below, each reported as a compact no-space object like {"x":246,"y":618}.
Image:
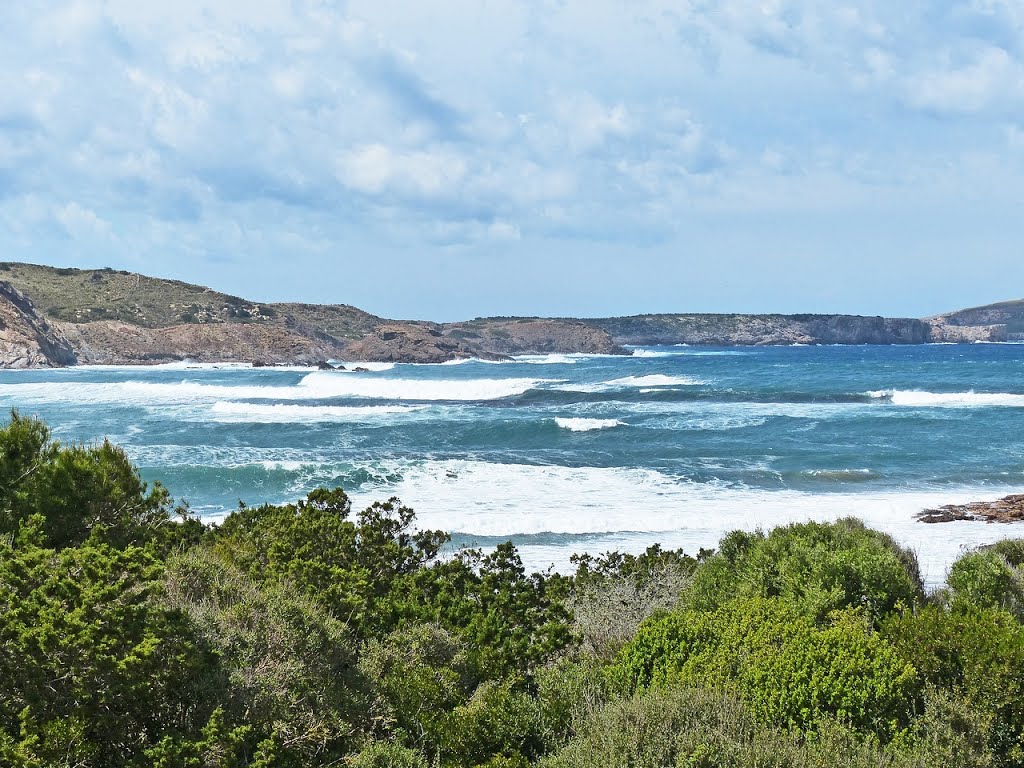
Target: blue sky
{"x":446,"y":160}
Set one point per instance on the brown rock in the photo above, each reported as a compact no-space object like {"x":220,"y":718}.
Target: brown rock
{"x":1009,"y":509}
{"x":27,"y":339}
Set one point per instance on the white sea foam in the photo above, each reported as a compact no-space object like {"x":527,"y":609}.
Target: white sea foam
{"x":552,"y":359}
{"x":922,"y":399}
{"x":233,"y":412}
{"x":587,"y":425}
{"x":651,"y":382}
{"x":656,"y":380}
{"x":641,"y":352}
{"x":324,"y":384}
{"x":314,"y":386}
{"x":638,"y":507}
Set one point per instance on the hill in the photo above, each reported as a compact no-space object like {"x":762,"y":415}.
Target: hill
{"x":56,"y":316}
{"x":105,"y":316}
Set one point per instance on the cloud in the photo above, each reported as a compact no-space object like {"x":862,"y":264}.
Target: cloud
{"x":375,"y":169}
{"x":988,"y":77}
{"x":79,"y":222}
{"x":206,"y":128}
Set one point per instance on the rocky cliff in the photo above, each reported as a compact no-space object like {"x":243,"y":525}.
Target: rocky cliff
{"x":53,"y":317}
{"x":729,"y":330}
{"x":28,"y":340}
{"x":994,"y":322}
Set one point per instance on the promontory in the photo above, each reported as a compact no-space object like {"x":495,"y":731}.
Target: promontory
{"x":52,"y":317}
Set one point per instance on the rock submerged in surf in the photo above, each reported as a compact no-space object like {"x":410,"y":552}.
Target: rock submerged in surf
{"x":1009,"y":509}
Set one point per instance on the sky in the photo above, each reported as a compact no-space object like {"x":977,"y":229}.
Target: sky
{"x":451,"y":159}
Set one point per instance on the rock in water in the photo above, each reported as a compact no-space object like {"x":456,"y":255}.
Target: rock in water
{"x":1009,"y":509}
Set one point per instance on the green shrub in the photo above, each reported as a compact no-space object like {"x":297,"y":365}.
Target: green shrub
{"x":985,"y":579}
{"x":788,"y":670}
{"x":93,"y":667}
{"x":382,"y":754}
{"x":820,"y":567}
{"x":78,"y":491}
{"x":289,"y":666}
{"x":975,"y":654}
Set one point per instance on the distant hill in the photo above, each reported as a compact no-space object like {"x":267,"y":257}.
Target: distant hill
{"x":106,"y":316}
{"x":58,"y":316}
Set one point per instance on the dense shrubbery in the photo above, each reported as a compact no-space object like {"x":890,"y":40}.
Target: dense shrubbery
{"x":310,"y":634}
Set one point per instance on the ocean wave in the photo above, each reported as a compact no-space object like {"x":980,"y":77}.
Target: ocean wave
{"x":324,"y":384}
{"x":845,"y":475}
{"x":552,"y":359}
{"x":318,"y":385}
{"x":641,"y":352}
{"x":234,"y":412}
{"x":587,"y":425}
{"x":650,"y":383}
{"x":656,"y":380}
{"x":921,"y":399}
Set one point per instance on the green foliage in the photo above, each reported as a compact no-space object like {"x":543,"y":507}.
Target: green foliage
{"x":428,"y":695}
{"x":693,"y":728}
{"x":791,"y":672}
{"x":986,"y":579}
{"x":91,"y":665}
{"x":377,"y":574}
{"x":612,"y":594}
{"x":976,"y":654}
{"x":820,"y":567}
{"x":381,"y":754}
{"x":289,"y":666}
{"x":78,"y":491}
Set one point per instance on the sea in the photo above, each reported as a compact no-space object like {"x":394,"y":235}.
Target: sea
{"x":565,"y":454}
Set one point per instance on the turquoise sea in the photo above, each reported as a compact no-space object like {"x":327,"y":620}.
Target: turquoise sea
{"x":571,"y":453}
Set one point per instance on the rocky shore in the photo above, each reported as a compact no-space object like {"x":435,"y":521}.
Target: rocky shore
{"x":1009,"y":509}
{"x":58,"y":317}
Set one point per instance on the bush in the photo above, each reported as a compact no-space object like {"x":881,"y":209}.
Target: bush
{"x":975,"y":654}
{"x":382,"y":754}
{"x":985,"y":579}
{"x":78,"y":491}
{"x":289,"y":666}
{"x":94,"y":669}
{"x":613,"y":594}
{"x":791,"y":672}
{"x":820,"y":567}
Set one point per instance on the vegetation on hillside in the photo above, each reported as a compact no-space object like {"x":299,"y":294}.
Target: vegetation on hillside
{"x":312,"y":634}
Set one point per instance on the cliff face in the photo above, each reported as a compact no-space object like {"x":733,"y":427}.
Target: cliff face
{"x":28,"y":340}
{"x":995,"y":322}
{"x":728,"y":330}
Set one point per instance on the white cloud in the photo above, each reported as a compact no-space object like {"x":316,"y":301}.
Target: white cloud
{"x":79,"y":221}
{"x":990,"y":75}
{"x":375,"y":169}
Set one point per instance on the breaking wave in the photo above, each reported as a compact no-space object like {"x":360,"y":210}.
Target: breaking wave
{"x":587,"y":425}
{"x":920,"y":399}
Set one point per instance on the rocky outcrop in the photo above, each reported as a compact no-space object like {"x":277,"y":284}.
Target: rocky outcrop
{"x":412,"y":343}
{"x":27,"y":339}
{"x":940,"y":333}
{"x":749,"y":330}
{"x":1009,"y":509}
{"x":994,"y":322}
